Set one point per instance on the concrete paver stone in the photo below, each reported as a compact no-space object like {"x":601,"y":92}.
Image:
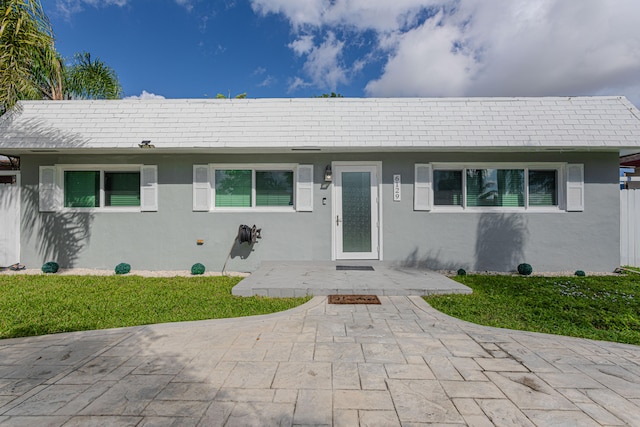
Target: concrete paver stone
{"x":399,"y":363}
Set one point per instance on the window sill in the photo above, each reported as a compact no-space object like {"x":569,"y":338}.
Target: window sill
{"x":251,"y":210}
{"x":102,"y":210}
{"x":497,"y":209}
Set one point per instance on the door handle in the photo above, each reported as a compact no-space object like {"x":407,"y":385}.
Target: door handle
{"x":338,"y":220}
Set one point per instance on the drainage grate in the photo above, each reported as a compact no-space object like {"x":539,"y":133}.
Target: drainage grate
{"x":354,"y":267}
{"x":353,"y":299}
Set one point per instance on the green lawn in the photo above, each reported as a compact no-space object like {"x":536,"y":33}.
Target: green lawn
{"x":603,"y":308}
{"x":46,"y":304}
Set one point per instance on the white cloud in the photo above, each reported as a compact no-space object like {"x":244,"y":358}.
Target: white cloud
{"x":187,"y":4}
{"x":323,"y":63}
{"x":378,"y":15}
{"x":555,"y":47}
{"x":145,"y":95}
{"x":470,"y":47}
{"x":423,"y":58}
{"x":303,"y":45}
{"x":298,"y":12}
{"x":70,"y":7}
{"x":297,"y":83}
{"x":268,"y":81}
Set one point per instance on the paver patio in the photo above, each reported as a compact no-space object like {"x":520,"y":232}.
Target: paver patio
{"x":398,"y":363}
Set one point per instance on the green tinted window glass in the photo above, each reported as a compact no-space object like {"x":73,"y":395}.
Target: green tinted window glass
{"x":447,"y":188}
{"x":495,"y":187}
{"x":274,"y":188}
{"x":122,"y":188}
{"x":543,"y":188}
{"x":233,"y":188}
{"x":81,"y":189}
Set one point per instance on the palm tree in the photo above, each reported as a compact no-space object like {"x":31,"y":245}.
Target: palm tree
{"x":48,"y":75}
{"x":89,"y":78}
{"x":31,"y":68}
{"x":26,"y":45}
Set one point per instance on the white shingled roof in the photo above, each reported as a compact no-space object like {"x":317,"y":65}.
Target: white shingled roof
{"x":333,"y":124}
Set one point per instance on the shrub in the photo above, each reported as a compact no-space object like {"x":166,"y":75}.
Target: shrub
{"x":525,"y":269}
{"x":462,"y":272}
{"x":50,"y":267}
{"x":580,"y":273}
{"x":197,"y":268}
{"x":123,"y":268}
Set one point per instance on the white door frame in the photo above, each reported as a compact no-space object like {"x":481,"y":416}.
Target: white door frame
{"x":376,"y":203}
{"x":16,"y":231}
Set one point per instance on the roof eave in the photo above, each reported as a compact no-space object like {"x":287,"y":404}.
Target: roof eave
{"x":297,"y":150}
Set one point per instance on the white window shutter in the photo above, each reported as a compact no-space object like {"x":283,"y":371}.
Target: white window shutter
{"x":575,"y":187}
{"x":304,"y":188}
{"x":48,"y":191}
{"x":149,"y":188}
{"x":422,"y":192}
{"x":201,"y":188}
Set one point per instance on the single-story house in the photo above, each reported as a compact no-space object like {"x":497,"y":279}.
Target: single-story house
{"x":474,"y":183}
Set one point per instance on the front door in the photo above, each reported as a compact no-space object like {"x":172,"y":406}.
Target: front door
{"x":356,"y":219}
{"x":9,"y":218}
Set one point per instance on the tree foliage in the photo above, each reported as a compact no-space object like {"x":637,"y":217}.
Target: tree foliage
{"x":31,"y":68}
{"x":89,"y":78}
{"x":238,"y":96}
{"x":26,"y":47}
{"x":329,"y":95}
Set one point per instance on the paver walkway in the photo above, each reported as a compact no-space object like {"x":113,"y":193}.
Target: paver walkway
{"x":302,"y":278}
{"x":399,"y":363}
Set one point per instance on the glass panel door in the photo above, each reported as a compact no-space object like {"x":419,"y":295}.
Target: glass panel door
{"x":356,"y":221}
{"x":356,"y":211}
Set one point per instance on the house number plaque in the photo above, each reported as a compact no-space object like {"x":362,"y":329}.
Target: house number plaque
{"x":397,"y":195}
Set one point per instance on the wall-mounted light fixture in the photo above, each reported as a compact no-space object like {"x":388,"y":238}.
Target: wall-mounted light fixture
{"x":328,"y":175}
{"x":146,"y":144}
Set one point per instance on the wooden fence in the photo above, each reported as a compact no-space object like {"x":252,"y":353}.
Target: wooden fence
{"x":630,"y":227}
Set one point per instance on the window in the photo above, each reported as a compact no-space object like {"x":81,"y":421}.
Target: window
{"x":81,"y":189}
{"x":94,"y":189}
{"x":233,"y":188}
{"x":103,"y":187}
{"x":475,"y":186}
{"x":246,"y":188}
{"x":122,"y":188}
{"x":447,"y":187}
{"x":495,"y":187}
{"x":272,"y":187}
{"x":543,"y":187}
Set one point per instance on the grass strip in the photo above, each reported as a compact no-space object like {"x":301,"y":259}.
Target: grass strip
{"x":603,"y":308}
{"x":47,"y":304}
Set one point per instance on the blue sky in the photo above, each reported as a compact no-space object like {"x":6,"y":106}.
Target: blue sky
{"x":301,"y":48}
